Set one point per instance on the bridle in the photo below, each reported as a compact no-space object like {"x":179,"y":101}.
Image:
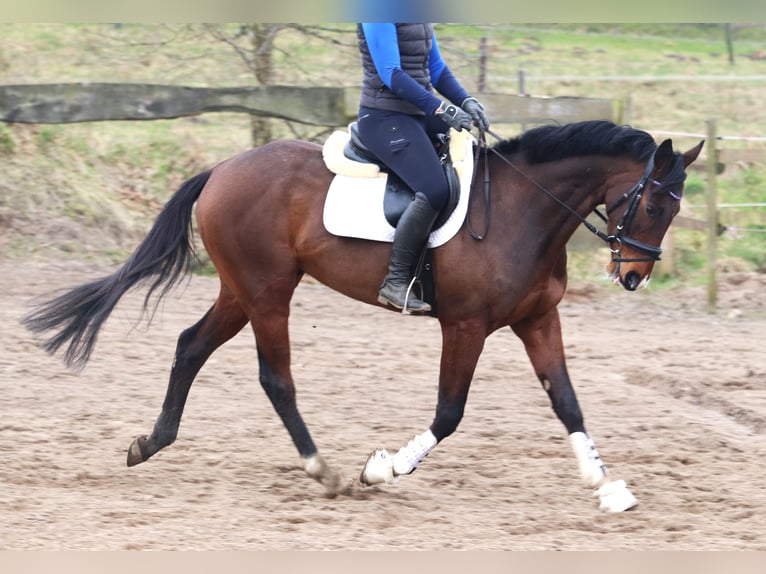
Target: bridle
{"x":615,"y":241}
{"x":619,"y":238}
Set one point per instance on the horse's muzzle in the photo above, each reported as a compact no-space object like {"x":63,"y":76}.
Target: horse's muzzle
{"x":631,"y":281}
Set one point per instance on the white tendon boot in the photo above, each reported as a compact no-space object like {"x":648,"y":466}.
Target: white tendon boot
{"x":592,"y":470}
{"x":613,"y":496}
{"x":409,"y":457}
{"x":382,"y":467}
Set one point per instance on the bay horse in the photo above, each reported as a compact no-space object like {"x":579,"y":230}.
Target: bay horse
{"x":259,"y":215}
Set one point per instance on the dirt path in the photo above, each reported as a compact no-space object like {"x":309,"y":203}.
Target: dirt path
{"x":675,"y":399}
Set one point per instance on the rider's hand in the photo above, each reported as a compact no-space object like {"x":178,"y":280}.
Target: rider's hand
{"x":476,"y":111}
{"x":453,"y":116}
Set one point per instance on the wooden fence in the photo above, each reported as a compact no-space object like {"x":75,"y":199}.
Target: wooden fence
{"x":324,"y":106}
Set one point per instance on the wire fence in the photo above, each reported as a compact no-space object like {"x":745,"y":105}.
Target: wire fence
{"x":644,"y":79}
{"x":718,"y":137}
{"x":734,"y":228}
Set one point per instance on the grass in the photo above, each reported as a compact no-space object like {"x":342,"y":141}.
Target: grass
{"x":114,"y":175}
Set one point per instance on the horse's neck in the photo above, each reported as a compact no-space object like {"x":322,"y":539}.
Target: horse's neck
{"x":576,"y":184}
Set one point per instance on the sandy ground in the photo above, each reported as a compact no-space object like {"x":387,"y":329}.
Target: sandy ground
{"x":674,"y":397}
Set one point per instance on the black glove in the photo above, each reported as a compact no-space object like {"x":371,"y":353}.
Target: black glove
{"x":476,"y":111}
{"x":453,"y":116}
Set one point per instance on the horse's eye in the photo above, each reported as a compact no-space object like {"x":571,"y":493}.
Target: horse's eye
{"x":651,"y":211}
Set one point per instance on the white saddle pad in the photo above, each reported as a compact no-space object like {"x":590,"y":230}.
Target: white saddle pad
{"x":354,"y":205}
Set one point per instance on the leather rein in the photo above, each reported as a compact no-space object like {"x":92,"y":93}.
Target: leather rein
{"x":615,"y":241}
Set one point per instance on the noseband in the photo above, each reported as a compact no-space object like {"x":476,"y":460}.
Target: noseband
{"x":619,"y":238}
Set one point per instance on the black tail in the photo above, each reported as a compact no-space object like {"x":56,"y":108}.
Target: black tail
{"x":166,"y":254}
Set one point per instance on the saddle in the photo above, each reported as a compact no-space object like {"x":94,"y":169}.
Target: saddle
{"x":365,"y":199}
{"x":397,"y":194}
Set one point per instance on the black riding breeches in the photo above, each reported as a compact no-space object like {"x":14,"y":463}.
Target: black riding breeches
{"x":403,"y":143}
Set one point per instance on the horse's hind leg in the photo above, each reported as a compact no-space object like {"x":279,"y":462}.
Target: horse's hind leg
{"x":542,"y":339}
{"x":270,"y":325}
{"x":222,"y":321}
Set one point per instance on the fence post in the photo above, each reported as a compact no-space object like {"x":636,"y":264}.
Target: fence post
{"x":666,"y":267}
{"x":712,"y":217}
{"x":482,"y":65}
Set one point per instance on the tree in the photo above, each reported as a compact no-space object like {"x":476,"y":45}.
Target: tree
{"x":257,"y":54}
{"x":256,"y":46}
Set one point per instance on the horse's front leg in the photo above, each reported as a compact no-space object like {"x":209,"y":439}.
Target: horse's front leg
{"x":462,"y":343}
{"x":541,"y":335}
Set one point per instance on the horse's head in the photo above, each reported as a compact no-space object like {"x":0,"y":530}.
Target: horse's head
{"x":639,"y":218}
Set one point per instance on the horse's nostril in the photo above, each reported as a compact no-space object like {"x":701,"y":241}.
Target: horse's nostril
{"x":632,"y":280}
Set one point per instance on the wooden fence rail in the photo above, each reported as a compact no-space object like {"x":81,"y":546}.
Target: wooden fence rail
{"x":324,"y":106}
{"x":86,"y":102}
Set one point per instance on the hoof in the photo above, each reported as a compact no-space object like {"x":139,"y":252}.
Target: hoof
{"x":319,"y":470}
{"x":615,"y":497}
{"x":135,"y":452}
{"x":378,"y":469}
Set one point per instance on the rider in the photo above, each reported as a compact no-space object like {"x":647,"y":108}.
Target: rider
{"x":398,"y":114}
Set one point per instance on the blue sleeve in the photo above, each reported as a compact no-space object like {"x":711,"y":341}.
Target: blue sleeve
{"x":383,"y":45}
{"x":436,"y":64}
{"x":442,"y":78}
{"x":384,"y":49}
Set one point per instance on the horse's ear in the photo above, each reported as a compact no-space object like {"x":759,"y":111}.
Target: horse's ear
{"x":692,"y":154}
{"x":664,"y":155}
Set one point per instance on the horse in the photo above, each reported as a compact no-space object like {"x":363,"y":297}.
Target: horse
{"x":259,"y":216}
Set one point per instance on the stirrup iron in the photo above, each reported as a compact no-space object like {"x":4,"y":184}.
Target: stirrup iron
{"x":405,"y":310}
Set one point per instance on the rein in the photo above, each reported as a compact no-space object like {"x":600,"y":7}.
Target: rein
{"x":482,"y":144}
{"x":615,"y":241}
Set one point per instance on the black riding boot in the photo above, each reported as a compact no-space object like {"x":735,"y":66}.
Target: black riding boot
{"x":409,"y":239}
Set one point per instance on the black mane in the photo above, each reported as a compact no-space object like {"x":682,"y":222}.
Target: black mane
{"x":594,"y":137}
